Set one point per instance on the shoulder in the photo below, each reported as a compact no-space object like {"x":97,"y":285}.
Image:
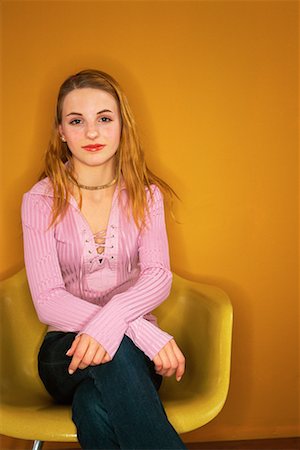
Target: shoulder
{"x":38,"y":199}
{"x":155,"y":200}
{"x":154,"y":193}
{"x":42,"y":188}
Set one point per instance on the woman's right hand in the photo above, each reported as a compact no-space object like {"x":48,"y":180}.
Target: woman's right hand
{"x":86,"y":351}
{"x":170,"y":360}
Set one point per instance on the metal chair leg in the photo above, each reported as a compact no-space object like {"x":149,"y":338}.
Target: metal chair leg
{"x":37,"y":445}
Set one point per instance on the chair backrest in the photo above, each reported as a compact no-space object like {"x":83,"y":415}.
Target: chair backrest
{"x":21,"y":334}
{"x":200,"y":317}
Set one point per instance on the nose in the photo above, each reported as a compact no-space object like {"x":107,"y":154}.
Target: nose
{"x":91,"y":132}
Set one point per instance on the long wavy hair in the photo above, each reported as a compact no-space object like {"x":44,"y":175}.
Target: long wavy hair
{"x":130,"y":160}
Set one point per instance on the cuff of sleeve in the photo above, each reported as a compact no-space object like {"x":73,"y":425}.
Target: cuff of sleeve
{"x":148,"y":337}
{"x":109,"y":335}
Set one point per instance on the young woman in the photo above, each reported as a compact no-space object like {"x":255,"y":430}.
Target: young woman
{"x":97,"y":261}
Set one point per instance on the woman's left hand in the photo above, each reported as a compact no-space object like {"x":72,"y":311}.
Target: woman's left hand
{"x":170,"y":360}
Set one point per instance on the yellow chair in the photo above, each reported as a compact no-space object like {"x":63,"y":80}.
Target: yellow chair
{"x":200,"y":316}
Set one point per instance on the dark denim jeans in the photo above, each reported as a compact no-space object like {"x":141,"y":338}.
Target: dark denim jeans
{"x":114,"y":405}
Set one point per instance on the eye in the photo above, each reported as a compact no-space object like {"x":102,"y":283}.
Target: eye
{"x":75,"y":121}
{"x":104,"y":119}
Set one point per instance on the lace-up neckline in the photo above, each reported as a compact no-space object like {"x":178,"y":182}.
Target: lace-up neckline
{"x":99,"y":239}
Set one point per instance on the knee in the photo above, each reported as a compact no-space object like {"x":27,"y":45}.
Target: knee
{"x":128,"y":365}
{"x":128,"y":358}
{"x":128,"y":354}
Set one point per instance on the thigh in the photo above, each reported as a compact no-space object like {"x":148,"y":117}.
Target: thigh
{"x":53,"y":366}
{"x":53,"y":363}
{"x":129,"y":368}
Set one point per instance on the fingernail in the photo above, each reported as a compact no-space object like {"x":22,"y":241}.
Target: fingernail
{"x":68,"y":352}
{"x":71,"y":371}
{"x":178,"y":378}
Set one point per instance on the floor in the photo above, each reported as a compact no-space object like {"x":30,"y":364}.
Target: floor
{"x":7,"y":443}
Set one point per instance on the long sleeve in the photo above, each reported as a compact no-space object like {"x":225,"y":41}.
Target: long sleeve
{"x":152,"y":287}
{"x":147,"y":336}
{"x":54,"y":304}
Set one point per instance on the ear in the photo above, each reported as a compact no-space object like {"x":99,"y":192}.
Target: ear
{"x":61,"y":133}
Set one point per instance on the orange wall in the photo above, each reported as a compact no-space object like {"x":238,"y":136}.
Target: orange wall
{"x":213,"y":85}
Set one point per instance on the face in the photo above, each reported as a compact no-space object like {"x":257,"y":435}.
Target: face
{"x":91,"y":126}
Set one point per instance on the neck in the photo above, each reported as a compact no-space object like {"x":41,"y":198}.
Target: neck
{"x":94,"y":175}
{"x":97,"y":187}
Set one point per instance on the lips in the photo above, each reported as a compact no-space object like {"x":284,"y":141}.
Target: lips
{"x":93,"y":147}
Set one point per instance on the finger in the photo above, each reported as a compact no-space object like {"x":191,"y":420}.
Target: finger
{"x":159,"y":360}
{"x":165,"y":361}
{"x":79,"y":353}
{"x":90,"y":354}
{"x":181,"y":360}
{"x":157,"y":363}
{"x":106,"y":358}
{"x":72,"y":349}
{"x":172,"y":359}
{"x":99,"y":356}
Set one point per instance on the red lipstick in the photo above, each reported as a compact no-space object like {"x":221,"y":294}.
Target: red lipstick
{"x":93,"y":147}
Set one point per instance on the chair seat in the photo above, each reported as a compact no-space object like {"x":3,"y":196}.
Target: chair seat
{"x":40,"y":421}
{"x":39,"y":418}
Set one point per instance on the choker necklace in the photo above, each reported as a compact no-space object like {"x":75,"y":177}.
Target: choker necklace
{"x":96,"y":188}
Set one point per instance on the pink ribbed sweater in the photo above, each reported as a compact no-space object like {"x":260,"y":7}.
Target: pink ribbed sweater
{"x":74,"y":288}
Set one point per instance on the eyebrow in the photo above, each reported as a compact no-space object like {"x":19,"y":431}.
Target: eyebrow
{"x":79,"y":114}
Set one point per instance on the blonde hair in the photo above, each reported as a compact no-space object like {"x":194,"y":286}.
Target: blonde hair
{"x":130,"y":160}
